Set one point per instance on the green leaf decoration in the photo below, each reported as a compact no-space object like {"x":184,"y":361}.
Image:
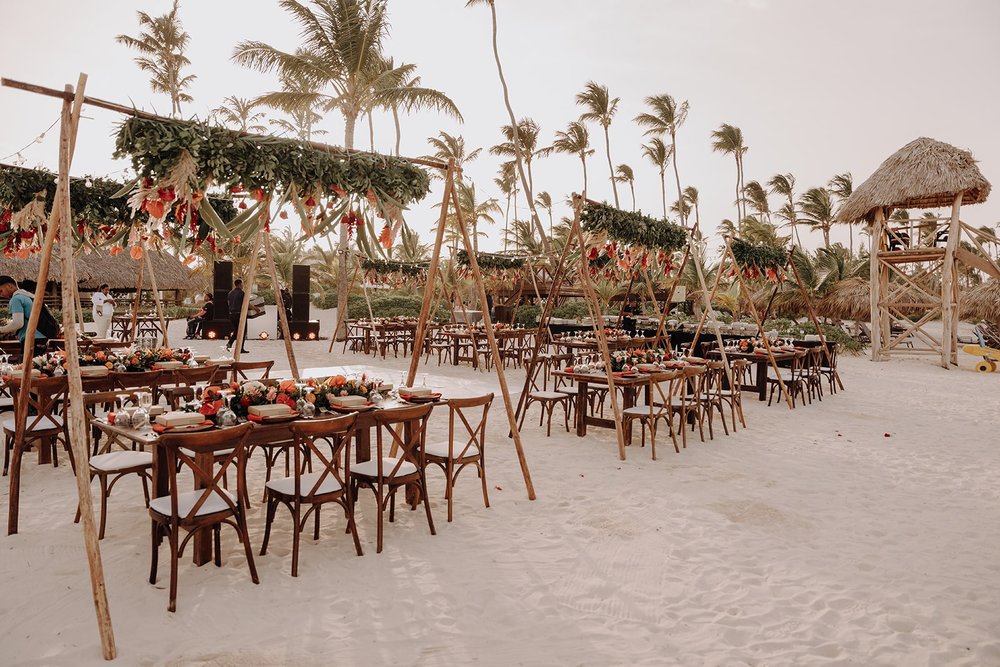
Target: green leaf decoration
{"x":760,"y":256}
{"x":489,"y":262}
{"x":634,"y":229}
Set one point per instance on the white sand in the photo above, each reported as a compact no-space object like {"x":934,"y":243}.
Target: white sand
{"x":810,"y":538}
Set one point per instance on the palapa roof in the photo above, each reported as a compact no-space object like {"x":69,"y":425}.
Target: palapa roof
{"x":982,"y":302}
{"x":849,"y":299}
{"x":121,"y":272}
{"x":924,"y":173}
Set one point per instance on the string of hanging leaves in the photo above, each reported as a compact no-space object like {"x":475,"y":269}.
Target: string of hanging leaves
{"x":490,"y":262}
{"x":758,"y":260}
{"x":633,"y":229}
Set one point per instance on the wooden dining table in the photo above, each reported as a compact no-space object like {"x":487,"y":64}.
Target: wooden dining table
{"x":762,"y":363}
{"x":630,"y":388}
{"x":261,"y":433}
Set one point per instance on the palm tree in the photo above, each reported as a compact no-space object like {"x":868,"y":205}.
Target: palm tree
{"x":728,"y":140}
{"x":473,"y":211}
{"x":518,"y":157}
{"x":624,"y":174}
{"x":784,"y":185}
{"x":506,"y":182}
{"x":544,"y":199}
{"x":600,"y":107}
{"x":409,"y":248}
{"x":681,"y":208}
{"x":664,"y":118}
{"x":523,"y":141}
{"x":691,"y":197}
{"x":757,"y":196}
{"x":161,"y":47}
{"x":817,"y":209}
{"x":574,"y":141}
{"x":302,"y":118}
{"x":842,"y":186}
{"x":408,"y":103}
{"x":659,"y":154}
{"x":450,"y":147}
{"x":342,"y":61}
{"x":240,"y":114}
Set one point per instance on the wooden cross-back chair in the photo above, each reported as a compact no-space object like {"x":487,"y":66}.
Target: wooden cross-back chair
{"x":651,"y":414}
{"x":43,"y":424}
{"x":466,"y":444}
{"x":326,"y":444}
{"x":150,"y":380}
{"x":115,"y":459}
{"x":546,"y":398}
{"x":184,"y":380}
{"x":384,"y":474}
{"x":209,"y":505}
{"x":239,"y":368}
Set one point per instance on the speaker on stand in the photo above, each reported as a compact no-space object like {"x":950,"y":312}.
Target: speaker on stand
{"x":222,"y":283}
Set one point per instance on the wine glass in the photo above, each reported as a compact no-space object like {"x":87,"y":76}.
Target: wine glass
{"x":300,"y":403}
{"x":226,"y":416}
{"x":145,"y":400}
{"x":308,"y":408}
{"x":423,"y":379}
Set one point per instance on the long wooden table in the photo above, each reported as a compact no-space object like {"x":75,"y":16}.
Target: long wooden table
{"x":261,"y":433}
{"x":630,"y":387}
{"x":762,"y":361}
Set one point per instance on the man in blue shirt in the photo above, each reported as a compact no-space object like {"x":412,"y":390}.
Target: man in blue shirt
{"x":20,"y":306}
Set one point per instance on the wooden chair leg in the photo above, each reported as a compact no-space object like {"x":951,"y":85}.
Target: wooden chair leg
{"x":241,"y":522}
{"x":172,"y":540}
{"x":296,"y":537}
{"x":155,"y":551}
{"x":482,"y":478}
{"x":427,"y":501}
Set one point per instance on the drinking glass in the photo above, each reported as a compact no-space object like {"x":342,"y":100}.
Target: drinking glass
{"x":300,"y":403}
{"x":145,"y":400}
{"x":308,"y":409}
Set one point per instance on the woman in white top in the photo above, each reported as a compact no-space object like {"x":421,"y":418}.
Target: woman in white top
{"x":104,"y":310}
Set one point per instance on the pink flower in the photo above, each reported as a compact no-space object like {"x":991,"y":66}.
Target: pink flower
{"x":272,"y":393}
{"x":343,"y":392}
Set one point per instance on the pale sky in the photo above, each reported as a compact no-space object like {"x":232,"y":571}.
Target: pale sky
{"x":818,"y":87}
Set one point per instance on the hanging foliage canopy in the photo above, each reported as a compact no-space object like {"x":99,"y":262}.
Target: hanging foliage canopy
{"x":760,"y":256}
{"x":393,"y":273}
{"x":178,"y":160}
{"x":490,"y":262}
{"x":633,"y":229}
{"x":101,"y":214}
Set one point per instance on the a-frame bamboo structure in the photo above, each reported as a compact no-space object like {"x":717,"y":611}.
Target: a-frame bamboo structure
{"x":450,"y":198}
{"x":761,"y":318}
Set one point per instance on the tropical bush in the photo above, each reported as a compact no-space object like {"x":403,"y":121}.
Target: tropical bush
{"x":527,"y":315}
{"x":571,"y":310}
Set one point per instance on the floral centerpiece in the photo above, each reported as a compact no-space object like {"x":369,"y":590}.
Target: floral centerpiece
{"x":50,"y":364}
{"x":339,"y":385}
{"x":144,"y":359}
{"x":622,"y":359}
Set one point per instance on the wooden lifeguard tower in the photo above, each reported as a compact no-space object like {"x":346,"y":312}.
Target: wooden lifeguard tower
{"x":914,"y":263}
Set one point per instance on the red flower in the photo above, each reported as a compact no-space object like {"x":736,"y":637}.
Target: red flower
{"x":243,"y":204}
{"x":310,"y":202}
{"x":283,"y":215}
{"x":244,"y":401}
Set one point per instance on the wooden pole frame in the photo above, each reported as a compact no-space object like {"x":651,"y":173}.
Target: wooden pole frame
{"x":282,"y":315}
{"x":156,"y":299}
{"x":241,"y":326}
{"x":138,"y":299}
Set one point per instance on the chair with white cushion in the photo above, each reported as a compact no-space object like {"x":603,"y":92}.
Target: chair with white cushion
{"x":42,"y":425}
{"x":465,"y":445}
{"x":329,"y":482}
{"x":385,"y":473}
{"x":208,"y":505}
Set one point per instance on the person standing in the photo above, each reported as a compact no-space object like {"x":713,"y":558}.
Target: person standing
{"x":19,"y":307}
{"x":286,"y":303}
{"x":235,"y":302}
{"x":104,"y":310}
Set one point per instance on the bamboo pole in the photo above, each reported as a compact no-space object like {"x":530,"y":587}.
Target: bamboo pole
{"x":74,"y":412}
{"x":342,"y":317}
{"x":138,"y":299}
{"x":130,"y":110}
{"x":670,"y":299}
{"x":55,"y":220}
{"x":753,"y":311}
{"x":282,"y":315}
{"x":157,"y":301}
{"x":602,"y":340}
{"x":494,"y":349}
{"x":815,"y":321}
{"x":241,"y":326}
{"x":432,"y":271}
{"x":873,"y":281}
{"x":628,"y":293}
{"x":949,"y":276}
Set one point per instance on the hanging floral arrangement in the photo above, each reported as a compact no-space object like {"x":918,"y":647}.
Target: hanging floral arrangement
{"x":759,"y":260}
{"x":393,"y":273}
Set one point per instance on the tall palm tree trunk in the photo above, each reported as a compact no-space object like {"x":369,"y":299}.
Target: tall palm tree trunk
{"x":371,"y":133}
{"x":631,"y":187}
{"x":395,"y":119}
{"x":677,"y":177}
{"x":663,"y":192}
{"x":350,"y":120}
{"x":584,"y":161}
{"x":611,"y":169}
{"x":517,"y":141}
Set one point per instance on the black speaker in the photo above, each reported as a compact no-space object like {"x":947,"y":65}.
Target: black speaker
{"x":300,"y":307}
{"x":300,"y":293}
{"x":300,"y":279}
{"x":222,"y":282}
{"x":304,"y":330}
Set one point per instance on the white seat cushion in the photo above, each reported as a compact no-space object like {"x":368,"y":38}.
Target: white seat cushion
{"x":548,"y":395}
{"x":440,"y":449}
{"x":221,"y":452}
{"x":45,"y":424}
{"x":121,"y":460}
{"x":286,"y":486}
{"x":370,"y":468}
{"x":643,"y":411}
{"x":187,"y":499}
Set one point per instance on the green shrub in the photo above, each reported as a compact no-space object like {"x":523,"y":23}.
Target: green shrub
{"x":393,"y":304}
{"x":571,"y":310}
{"x":527,"y":315}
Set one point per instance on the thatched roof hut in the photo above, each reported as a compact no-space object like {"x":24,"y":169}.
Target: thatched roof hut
{"x":120,"y":272}
{"x":924,"y":173}
{"x":982,"y":302}
{"x":850,"y":299}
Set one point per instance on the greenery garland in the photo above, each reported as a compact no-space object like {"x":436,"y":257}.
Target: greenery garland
{"x":386,"y":267}
{"x":491,"y":262}
{"x":231,"y":160}
{"x":759,"y":256}
{"x":101,"y":218}
{"x":633,"y":228}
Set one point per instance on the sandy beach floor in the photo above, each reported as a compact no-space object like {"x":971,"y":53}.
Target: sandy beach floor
{"x":861,"y":530}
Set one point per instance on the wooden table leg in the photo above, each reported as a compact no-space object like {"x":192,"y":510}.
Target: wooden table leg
{"x":454,"y":356}
{"x":202,"y":540}
{"x":762,"y":380}
{"x":44,"y":450}
{"x":581,"y":409}
{"x":629,"y":393}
